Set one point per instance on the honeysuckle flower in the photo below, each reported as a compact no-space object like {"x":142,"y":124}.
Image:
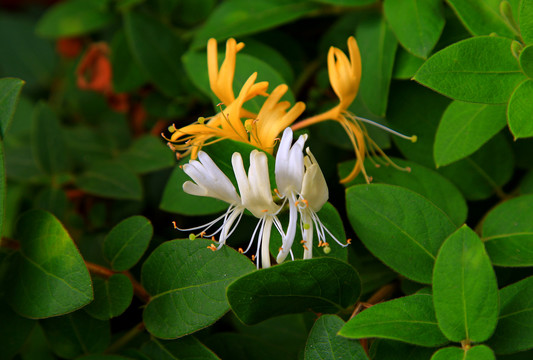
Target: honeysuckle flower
{"x":345,"y":76}
{"x":257,"y":198}
{"x":313,"y":196}
{"x":289,"y":177}
{"x":210,"y":181}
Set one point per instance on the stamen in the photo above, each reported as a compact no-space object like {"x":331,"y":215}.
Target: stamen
{"x":175,"y":226}
{"x":348,"y":241}
{"x":202,"y":234}
{"x":280,"y":249}
{"x":253,"y":257}
{"x":305,"y":247}
{"x":212,"y":247}
{"x":413,"y":138}
{"x":213,"y":238}
{"x":241,"y":251}
{"x":265,"y":210}
{"x":303,"y":242}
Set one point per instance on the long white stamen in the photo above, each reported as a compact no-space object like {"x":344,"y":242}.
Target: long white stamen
{"x":413,"y":138}
{"x":253,"y":237}
{"x":265,"y":242}
{"x":318,"y":223}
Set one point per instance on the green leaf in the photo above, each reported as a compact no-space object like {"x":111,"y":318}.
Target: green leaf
{"x":470,"y":71}
{"x":383,"y":349}
{"x":405,"y":65}
{"x":480,"y":352}
{"x":3,"y":192}
{"x":508,"y":232}
{"x":49,"y":145}
{"x":35,"y":61}
{"x":378,"y":46}
{"x":76,"y":334}
{"x":36,"y":346}
{"x":526,"y":61}
{"x":484,"y":172}
{"x":526,"y":185}
{"x":9,"y":94}
{"x":420,"y":179}
{"x":51,"y":276}
{"x":75,"y":17}
{"x":111,"y":297}
{"x":147,"y":154}
{"x":525,"y":18}
{"x":127,"y":242}
{"x":157,"y":50}
{"x":185,"y":348}
{"x":127,"y":76}
{"x":322,"y":285}
{"x":187,"y":282}
{"x":324,"y":343}
{"x":53,"y":200}
{"x":111,"y":180}
{"x":465,"y":291}
{"x":14,"y":331}
{"x":514,"y":331}
{"x":240,"y":17}
{"x":400,"y":227}
{"x":409,"y":319}
{"x":481,"y":17}
{"x":464,"y":128}
{"x":520,"y":109}
{"x":416,"y":23}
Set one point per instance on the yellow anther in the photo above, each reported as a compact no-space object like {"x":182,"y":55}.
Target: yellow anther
{"x":303,"y":242}
{"x":320,"y":243}
{"x":305,"y":247}
{"x":241,"y":250}
{"x":348,"y":241}
{"x":201,"y":234}
{"x":280,"y":249}
{"x":306,"y":202}
{"x":212,"y":247}
{"x":213,"y":238}
{"x":175,"y":226}
{"x":265,"y":210}
{"x":181,"y":166}
{"x":253,"y":257}
{"x":414,"y":138}
{"x":296,"y":203}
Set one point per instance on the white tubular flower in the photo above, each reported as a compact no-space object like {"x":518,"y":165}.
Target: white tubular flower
{"x":313,"y":196}
{"x":289,"y":178}
{"x":257,"y":198}
{"x":210,"y":181}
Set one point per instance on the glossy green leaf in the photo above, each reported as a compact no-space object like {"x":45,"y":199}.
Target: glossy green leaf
{"x":127,"y":242}
{"x":469,"y":70}
{"x":480,"y":352}
{"x":481,"y":17}
{"x":378,"y":46}
{"x":74,"y":17}
{"x":525,"y":18}
{"x":127,"y":75}
{"x":400,"y":227}
{"x":185,"y":348}
{"x":465,"y":291}
{"x":147,"y":154}
{"x":241,"y":17}
{"x":520,"y":110}
{"x":14,"y":331}
{"x":405,"y":65}
{"x":53,"y":200}
{"x":49,"y":145}
{"x":464,"y":128}
{"x":514,"y":331}
{"x":484,"y":172}
{"x":324,"y":343}
{"x":409,"y":319}
{"x":420,"y":179}
{"x":508,"y":232}
{"x":526,"y":61}
{"x":3,"y":193}
{"x":383,"y":349}
{"x":76,"y":334}
{"x":51,"y":276}
{"x":35,"y":61}
{"x":526,"y":185}
{"x":416,"y":23}
{"x":111,"y":180}
{"x":157,"y":50}
{"x":322,"y":285}
{"x":187,"y":282}
{"x":9,"y":94}
{"x":111,"y":297}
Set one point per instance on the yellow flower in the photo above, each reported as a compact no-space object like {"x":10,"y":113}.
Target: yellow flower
{"x":344,"y":77}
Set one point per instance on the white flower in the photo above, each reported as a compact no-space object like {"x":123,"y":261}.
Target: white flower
{"x":210,"y":181}
{"x":289,"y":178}
{"x":313,"y":196}
{"x":257,"y":198}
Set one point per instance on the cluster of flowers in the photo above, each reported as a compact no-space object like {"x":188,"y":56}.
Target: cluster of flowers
{"x":300,"y":183}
